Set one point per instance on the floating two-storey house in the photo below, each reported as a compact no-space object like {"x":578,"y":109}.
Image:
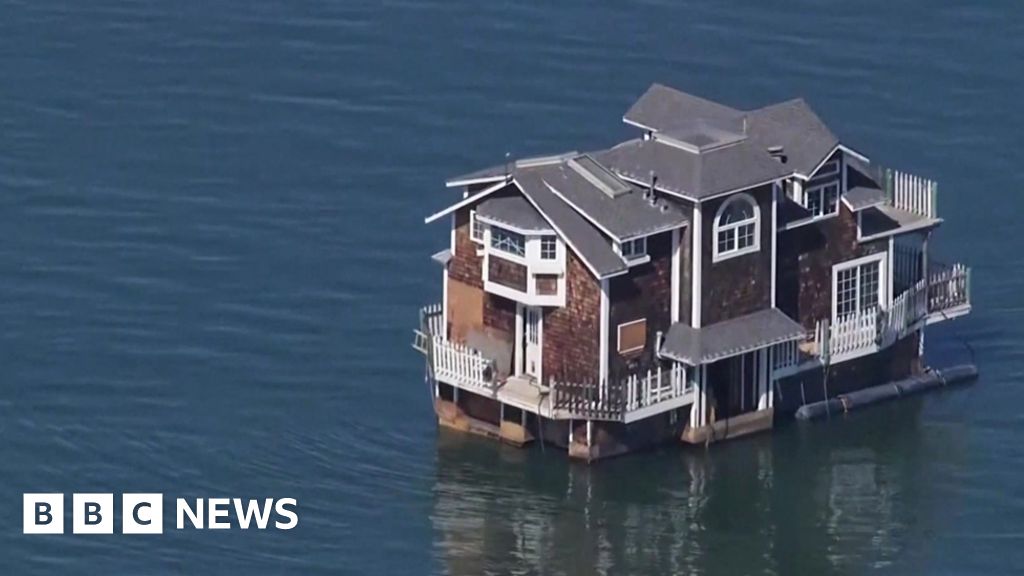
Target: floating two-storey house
{"x":719,"y":270}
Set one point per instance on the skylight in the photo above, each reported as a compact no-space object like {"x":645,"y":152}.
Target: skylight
{"x":599,"y":176}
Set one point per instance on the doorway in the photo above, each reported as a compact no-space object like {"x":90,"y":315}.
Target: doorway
{"x":531,"y":341}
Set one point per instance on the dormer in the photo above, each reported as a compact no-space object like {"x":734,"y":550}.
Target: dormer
{"x":523,"y":257}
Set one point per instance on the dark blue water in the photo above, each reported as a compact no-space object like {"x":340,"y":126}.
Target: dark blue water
{"x":213,"y":251}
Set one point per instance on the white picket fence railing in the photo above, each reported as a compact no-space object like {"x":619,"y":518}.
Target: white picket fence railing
{"x":432,"y":317}
{"x":875,"y":328}
{"x":948,"y":287}
{"x":655,"y":386}
{"x":854,"y":333}
{"x":907,"y":309}
{"x":461,"y":365}
{"x":912,"y":193}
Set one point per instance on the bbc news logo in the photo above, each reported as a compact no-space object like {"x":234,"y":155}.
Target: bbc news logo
{"x":144,"y":513}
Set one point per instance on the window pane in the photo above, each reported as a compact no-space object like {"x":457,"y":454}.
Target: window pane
{"x":737,"y":211}
{"x":846,"y":292}
{"x":746,"y":236}
{"x":868,"y":285}
{"x":726,"y":240}
{"x":507,"y":241}
{"x":634,"y":248}
{"x":813,"y":202}
{"x":831,"y":198}
{"x":476,"y":229}
{"x":547,"y":248}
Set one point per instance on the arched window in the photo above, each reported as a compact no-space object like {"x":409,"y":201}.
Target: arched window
{"x":737,"y":227}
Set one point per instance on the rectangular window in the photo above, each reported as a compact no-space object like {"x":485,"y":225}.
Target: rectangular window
{"x":632,"y":336}
{"x":476,"y":228}
{"x":548,"y":248}
{"x":633,"y":249}
{"x":822,"y":200}
{"x":857,"y":288}
{"x":508,"y":241}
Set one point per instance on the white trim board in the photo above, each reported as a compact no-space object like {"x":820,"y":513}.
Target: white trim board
{"x":514,"y":228}
{"x":838,"y":147}
{"x":471,"y":181}
{"x":880,"y":258}
{"x":465,"y":202}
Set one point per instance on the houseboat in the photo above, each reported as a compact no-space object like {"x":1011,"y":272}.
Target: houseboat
{"x":694,"y":283}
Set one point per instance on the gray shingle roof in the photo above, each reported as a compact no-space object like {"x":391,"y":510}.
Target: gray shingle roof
{"x":886,"y":220}
{"x":705,"y":127}
{"x":514,"y":211}
{"x":593,"y":248}
{"x":862,"y":197}
{"x":622,"y":217}
{"x":696,"y":346}
{"x":806,"y":140}
{"x":663,"y":108}
{"x":696,"y":176}
{"x":491,"y":174}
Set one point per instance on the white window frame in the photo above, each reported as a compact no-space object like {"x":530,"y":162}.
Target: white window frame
{"x":618,"y":337}
{"x":635,"y":249}
{"x":883,"y":286}
{"x":719,"y":228}
{"x":497,"y":248}
{"x":554,"y":250}
{"x":473,"y":223}
{"x":819,"y":190}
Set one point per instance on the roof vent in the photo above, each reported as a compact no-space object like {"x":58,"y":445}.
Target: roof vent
{"x":599,"y":176}
{"x":779,"y":153}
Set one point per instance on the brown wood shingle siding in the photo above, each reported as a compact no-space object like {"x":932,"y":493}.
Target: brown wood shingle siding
{"x":571,"y":333}
{"x":498,"y":314}
{"x":806,"y":256}
{"x":740,"y":285}
{"x":644,"y":293}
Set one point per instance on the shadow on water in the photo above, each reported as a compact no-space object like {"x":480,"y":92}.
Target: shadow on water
{"x":810,"y":499}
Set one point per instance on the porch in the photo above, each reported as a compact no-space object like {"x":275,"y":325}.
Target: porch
{"x":943,"y":295}
{"x":625,"y":399}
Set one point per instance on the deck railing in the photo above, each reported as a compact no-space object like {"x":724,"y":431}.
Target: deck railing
{"x":644,"y":390}
{"x":785,"y":355}
{"x":589,"y":400}
{"x":432,"y":320}
{"x":911,"y":193}
{"x":909,"y":308}
{"x":462,"y":366}
{"x":946,"y":290}
{"x":452,"y":362}
{"x":788,"y":356}
{"x":854,"y":332}
{"x":621,"y":396}
{"x":948,"y":287}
